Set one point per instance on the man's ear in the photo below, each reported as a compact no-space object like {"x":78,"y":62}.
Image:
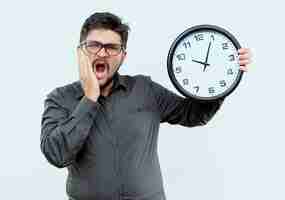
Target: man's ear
{"x":124,"y":55}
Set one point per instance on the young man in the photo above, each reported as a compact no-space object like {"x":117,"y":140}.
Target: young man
{"x":104,"y":127}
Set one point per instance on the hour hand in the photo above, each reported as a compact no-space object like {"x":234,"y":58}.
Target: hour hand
{"x":203,"y":63}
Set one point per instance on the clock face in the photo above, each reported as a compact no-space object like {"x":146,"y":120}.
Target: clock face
{"x":203,"y":62}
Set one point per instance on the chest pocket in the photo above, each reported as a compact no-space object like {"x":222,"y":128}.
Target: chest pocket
{"x":138,"y":109}
{"x":134,"y":123}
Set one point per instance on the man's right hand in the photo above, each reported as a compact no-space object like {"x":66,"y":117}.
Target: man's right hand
{"x":88,"y":78}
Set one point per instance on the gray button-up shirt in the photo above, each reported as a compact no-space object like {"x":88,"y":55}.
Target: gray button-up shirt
{"x":110,"y":146}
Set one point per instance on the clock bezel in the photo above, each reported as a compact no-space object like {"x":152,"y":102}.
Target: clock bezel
{"x":191,"y":30}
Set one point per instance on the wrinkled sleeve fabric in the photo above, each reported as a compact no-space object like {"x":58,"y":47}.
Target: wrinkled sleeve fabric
{"x":188,"y":112}
{"x":63,"y":132}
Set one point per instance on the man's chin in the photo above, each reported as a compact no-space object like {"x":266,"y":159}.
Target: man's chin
{"x":103,"y":83}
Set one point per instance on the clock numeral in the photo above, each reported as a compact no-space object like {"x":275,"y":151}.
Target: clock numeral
{"x":181,"y":56}
{"x":186,"y":81}
{"x":232,"y":57}
{"x":178,"y":70}
{"x":225,"y":46}
{"x":199,"y":37}
{"x":187,"y":44}
{"x":230,"y":71}
{"x":211,"y":90}
{"x":213,"y":37}
{"x":222,"y":83}
{"x":197,"y":88}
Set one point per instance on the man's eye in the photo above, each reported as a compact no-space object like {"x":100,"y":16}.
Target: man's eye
{"x":113,"y":47}
{"x":93,"y":45}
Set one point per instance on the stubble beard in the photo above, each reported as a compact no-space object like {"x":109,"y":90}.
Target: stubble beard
{"x":110,"y":80}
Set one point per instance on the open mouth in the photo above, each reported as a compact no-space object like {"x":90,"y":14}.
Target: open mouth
{"x":100,"y":69}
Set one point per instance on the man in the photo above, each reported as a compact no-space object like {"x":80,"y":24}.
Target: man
{"x":104,"y":127}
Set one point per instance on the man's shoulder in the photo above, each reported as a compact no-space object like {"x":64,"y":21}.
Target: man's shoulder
{"x":136,"y":77}
{"x":69,"y":90}
{"x":138,"y":84}
{"x":142,"y":76}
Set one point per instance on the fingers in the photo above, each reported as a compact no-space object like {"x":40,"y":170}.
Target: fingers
{"x":244,"y":50}
{"x":245,"y":58}
{"x":82,"y":65}
{"x":243,"y":68}
{"x":244,"y":62}
{"x":85,"y":68}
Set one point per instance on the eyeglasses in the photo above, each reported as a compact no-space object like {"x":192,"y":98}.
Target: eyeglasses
{"x":93,"y":47}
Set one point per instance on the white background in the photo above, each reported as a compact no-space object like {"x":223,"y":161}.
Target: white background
{"x":238,"y":155}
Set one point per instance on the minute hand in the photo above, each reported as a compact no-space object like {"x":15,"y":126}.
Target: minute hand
{"x":207,"y":56}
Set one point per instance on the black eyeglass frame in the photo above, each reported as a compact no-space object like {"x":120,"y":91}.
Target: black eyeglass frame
{"x":84,"y":44}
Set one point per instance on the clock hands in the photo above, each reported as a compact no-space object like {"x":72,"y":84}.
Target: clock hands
{"x":203,"y":63}
{"x":207,"y":56}
{"x":206,"y":60}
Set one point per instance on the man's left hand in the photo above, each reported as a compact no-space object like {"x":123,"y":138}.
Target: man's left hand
{"x":245,"y":57}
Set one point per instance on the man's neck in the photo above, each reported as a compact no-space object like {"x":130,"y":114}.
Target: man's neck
{"x":106,"y":91}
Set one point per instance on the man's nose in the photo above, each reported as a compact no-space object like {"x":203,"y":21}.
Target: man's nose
{"x":102,"y":52}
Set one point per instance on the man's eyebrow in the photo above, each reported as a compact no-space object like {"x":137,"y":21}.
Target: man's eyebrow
{"x":95,"y":41}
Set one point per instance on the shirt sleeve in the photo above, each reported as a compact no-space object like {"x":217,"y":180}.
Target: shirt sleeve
{"x":188,"y":112}
{"x":63,"y":132}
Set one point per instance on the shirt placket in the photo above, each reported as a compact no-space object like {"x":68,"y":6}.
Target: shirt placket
{"x":107,"y":104}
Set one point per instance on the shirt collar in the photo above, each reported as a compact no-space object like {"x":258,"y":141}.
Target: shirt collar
{"x":119,"y":81}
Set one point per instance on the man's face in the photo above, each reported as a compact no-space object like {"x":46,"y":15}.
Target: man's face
{"x":104,"y":66}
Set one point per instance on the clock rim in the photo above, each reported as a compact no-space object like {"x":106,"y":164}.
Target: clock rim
{"x":184,"y":34}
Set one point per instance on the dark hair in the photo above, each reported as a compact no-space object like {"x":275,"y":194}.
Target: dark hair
{"x":105,"y":20}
